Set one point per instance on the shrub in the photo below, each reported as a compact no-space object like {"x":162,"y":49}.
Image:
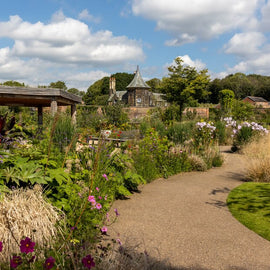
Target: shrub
{"x":197,"y":163}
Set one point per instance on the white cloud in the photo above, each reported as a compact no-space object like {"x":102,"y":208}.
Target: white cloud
{"x":68,"y":40}
{"x":245,"y":44}
{"x":187,"y":61}
{"x":252,"y":51}
{"x":85,"y":15}
{"x":189,"y":21}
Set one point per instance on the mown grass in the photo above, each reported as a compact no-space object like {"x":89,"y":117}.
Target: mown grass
{"x":250,"y":205}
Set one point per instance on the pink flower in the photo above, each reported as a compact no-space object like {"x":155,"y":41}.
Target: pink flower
{"x":119,"y":241}
{"x":104,"y":230}
{"x":49,"y":263}
{"x":1,"y":246}
{"x":27,"y":245}
{"x":97,"y":189}
{"x":92,"y":200}
{"x":100,"y":197}
{"x":98,"y":206}
{"x":105,"y":198}
{"x":88,"y":262}
{"x":15,"y":261}
{"x":105,"y":176}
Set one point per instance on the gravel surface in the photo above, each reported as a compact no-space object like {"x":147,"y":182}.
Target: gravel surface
{"x":185,"y":220}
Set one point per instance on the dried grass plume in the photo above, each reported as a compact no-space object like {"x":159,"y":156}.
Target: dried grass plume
{"x":25,"y":213}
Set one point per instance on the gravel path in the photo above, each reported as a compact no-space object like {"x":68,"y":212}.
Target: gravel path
{"x":185,"y":220}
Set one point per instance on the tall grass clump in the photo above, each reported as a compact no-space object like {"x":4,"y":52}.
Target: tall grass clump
{"x":26,"y":213}
{"x":64,"y":131}
{"x":258,"y":156}
{"x":180,"y":132}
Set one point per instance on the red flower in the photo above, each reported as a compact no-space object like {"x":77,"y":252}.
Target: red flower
{"x":27,"y":245}
{"x":1,"y":246}
{"x":49,"y":263}
{"x":88,"y":262}
{"x":15,"y":261}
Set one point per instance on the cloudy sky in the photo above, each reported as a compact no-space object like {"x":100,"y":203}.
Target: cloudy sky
{"x":79,"y":42}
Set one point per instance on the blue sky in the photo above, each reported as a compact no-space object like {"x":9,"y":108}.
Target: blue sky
{"x":79,"y":42}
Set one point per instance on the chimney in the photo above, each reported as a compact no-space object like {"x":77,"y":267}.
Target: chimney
{"x":112,"y":89}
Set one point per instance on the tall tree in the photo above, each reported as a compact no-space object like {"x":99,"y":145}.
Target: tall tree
{"x":14,"y":83}
{"x":184,"y":85}
{"x":58,"y":84}
{"x":75,"y":91}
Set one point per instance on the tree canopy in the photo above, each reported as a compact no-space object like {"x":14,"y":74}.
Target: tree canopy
{"x":98,"y":92}
{"x":185,"y":85}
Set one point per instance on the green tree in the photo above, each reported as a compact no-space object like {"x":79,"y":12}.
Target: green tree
{"x":226,"y":100}
{"x":184,"y":85}
{"x":14,"y":83}
{"x":58,"y":84}
{"x":154,"y":84}
{"x":75,"y":91}
{"x":239,"y":84}
{"x":98,"y":92}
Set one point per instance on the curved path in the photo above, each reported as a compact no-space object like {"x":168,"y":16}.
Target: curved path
{"x":185,"y":220}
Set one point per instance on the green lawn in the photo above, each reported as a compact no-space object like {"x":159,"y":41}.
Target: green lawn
{"x":250,"y":205}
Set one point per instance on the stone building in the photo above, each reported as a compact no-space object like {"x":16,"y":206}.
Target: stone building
{"x":137,"y":94}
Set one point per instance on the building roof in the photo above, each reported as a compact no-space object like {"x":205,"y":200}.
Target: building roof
{"x":32,"y":97}
{"x":257,"y":99}
{"x":158,"y":97}
{"x":138,"y":81}
{"x":118,"y":94}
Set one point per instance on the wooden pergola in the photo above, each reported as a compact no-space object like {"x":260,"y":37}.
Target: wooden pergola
{"x":39,"y":98}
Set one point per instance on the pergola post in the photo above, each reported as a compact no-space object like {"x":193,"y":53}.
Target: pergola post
{"x":40,"y":116}
{"x":73,"y":113}
{"x":53,"y":107}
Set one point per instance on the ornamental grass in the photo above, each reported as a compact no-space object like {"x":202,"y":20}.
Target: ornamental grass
{"x":25,"y":213}
{"x":258,"y":155}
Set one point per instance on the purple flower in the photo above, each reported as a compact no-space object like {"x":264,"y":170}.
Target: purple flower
{"x":100,"y":197}
{"x":105,"y":176}
{"x":88,"y":262}
{"x":98,"y":206}
{"x":15,"y":261}
{"x":104,"y":230}
{"x":27,"y":245}
{"x":1,"y":246}
{"x":49,"y":263}
{"x":116,"y":212}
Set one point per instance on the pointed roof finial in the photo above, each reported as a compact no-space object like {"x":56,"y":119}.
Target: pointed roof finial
{"x":138,"y":81}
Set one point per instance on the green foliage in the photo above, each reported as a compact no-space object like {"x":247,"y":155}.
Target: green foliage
{"x":58,"y":84}
{"x":180,"y":132}
{"x":171,"y":114}
{"x":115,"y":114}
{"x":154,"y":84}
{"x":250,"y":205}
{"x":64,"y":131}
{"x":184,"y":85}
{"x":75,"y":91}
{"x":221,"y":132}
{"x":242,"y":111}
{"x":226,"y":97}
{"x":14,"y":83}
{"x":149,"y":159}
{"x":98,"y":92}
